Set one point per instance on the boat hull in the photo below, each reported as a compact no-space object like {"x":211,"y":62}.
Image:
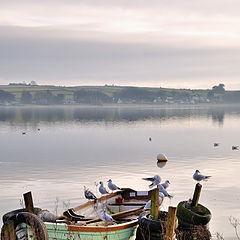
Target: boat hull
{"x":66,"y":232}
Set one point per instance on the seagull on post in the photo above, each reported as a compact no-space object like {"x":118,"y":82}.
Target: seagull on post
{"x":163,"y":191}
{"x":199,"y":177}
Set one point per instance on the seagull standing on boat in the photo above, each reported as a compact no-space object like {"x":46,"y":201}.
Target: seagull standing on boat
{"x":166,"y":184}
{"x":89,"y":195}
{"x":155,"y":180}
{"x":102,"y":189}
{"x":148,"y":204}
{"x":112,"y":186}
{"x":163,"y":191}
{"x":105,"y":217}
{"x":199,"y":177}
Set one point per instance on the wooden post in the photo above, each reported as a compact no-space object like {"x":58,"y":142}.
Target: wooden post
{"x":154,"y":203}
{"x":196,"y":195}
{"x":28,"y":201}
{"x":171,"y":219}
{"x":8,"y":231}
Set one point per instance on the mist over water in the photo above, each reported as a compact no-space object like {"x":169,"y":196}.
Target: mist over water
{"x":65,"y":148}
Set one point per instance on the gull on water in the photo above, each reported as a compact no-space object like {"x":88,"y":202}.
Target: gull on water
{"x":112,"y":186}
{"x":163,"y":191}
{"x":166,"y":184}
{"x":155,"y":180}
{"x":102,"y":189}
{"x":88,"y":194}
{"x":199,"y":177}
{"x":105,"y":216}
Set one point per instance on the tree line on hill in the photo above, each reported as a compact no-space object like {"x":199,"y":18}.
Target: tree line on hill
{"x":137,"y":95}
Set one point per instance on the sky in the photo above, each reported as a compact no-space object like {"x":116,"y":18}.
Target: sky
{"x":155,"y":43}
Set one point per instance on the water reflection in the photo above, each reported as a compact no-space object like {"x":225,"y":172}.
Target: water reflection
{"x":77,"y":146}
{"x":34,"y":115}
{"x":161,"y":164}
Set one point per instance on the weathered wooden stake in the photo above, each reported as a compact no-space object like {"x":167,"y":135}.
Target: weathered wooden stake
{"x":154,"y":203}
{"x":28,"y":201}
{"x":171,"y":219}
{"x":196,"y":195}
{"x":8,"y":231}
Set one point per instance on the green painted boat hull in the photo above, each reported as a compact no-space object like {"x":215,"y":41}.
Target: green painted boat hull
{"x":61,"y":232}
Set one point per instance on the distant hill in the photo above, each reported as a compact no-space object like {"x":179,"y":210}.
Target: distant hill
{"x":45,"y":94}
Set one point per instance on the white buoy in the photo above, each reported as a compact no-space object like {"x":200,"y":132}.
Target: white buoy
{"x":161,"y":157}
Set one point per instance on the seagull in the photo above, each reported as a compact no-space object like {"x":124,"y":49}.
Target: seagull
{"x":216,"y":144}
{"x":163,"y":191}
{"x":150,"y":139}
{"x":89,"y":195}
{"x":166,"y":184}
{"x":235,"y":147}
{"x":148,"y":204}
{"x":112,"y":186}
{"x":155,"y":180}
{"x":23,"y":133}
{"x":105,"y":217}
{"x":199,"y":177}
{"x":102,"y":189}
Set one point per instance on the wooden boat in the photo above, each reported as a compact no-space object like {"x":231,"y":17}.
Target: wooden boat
{"x":198,"y":215}
{"x":82,"y":222}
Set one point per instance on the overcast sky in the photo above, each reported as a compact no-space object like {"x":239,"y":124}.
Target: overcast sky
{"x":159,"y":43}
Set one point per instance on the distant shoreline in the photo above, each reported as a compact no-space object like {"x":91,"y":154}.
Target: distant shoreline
{"x":122,"y":105}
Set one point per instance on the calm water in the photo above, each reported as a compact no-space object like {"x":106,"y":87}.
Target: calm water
{"x":79,"y":146}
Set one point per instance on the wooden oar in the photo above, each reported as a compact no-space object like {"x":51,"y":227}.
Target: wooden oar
{"x":119,"y":214}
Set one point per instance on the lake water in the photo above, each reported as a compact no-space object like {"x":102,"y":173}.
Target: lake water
{"x":79,"y":146}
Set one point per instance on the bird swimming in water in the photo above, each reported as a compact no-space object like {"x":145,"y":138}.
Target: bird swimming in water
{"x":163,"y":191}
{"x":216,"y":144}
{"x":88,"y":194}
{"x":235,"y":147}
{"x":199,"y":177}
{"x":105,"y":216}
{"x":112,"y":186}
{"x":166,"y":184}
{"x":155,"y":180}
{"x":102,"y":189}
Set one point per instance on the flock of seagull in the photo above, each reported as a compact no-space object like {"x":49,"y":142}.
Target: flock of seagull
{"x":91,"y":196}
{"x":155,"y":181}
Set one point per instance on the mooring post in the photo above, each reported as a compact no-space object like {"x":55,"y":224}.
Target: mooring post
{"x":154,"y":203}
{"x":196,"y":195}
{"x":28,"y":201}
{"x":8,"y":231}
{"x":171,"y":219}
